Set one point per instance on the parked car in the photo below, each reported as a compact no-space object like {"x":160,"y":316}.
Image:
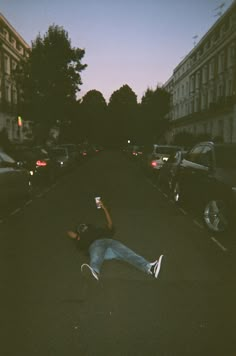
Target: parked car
{"x":63,"y":157}
{"x":159,"y":155}
{"x":97,"y":148}
{"x":207,"y":179}
{"x":86,"y":151}
{"x":169,"y":170}
{"x":135,"y":151}
{"x":42,"y":168}
{"x":73,"y":151}
{"x":14,"y":181}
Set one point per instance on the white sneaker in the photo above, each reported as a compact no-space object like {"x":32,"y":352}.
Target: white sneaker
{"x":85,"y":267}
{"x":155,"y":267}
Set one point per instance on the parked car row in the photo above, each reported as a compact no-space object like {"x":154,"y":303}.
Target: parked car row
{"x":24,"y":170}
{"x":15,"y":181}
{"x":207,"y":178}
{"x":202,"y":178}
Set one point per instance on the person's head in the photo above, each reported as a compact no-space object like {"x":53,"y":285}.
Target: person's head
{"x":81,"y":230}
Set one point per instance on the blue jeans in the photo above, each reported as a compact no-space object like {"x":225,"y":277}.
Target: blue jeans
{"x":108,"y":249}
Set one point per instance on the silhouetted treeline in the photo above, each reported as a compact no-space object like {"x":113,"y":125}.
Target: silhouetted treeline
{"x":48,"y":84}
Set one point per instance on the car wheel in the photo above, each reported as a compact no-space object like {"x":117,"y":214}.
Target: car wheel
{"x":216,"y":215}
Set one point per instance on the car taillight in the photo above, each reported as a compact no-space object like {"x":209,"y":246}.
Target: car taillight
{"x":84,"y":153}
{"x":40,"y":163}
{"x":154,"y":164}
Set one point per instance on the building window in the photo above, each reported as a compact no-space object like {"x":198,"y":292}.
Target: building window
{"x":229,"y":88}
{"x":14,"y":96}
{"x":197,"y":84}
{"x":7,"y":93}
{"x":220,"y":90}
{"x":186,"y":109}
{"x":205,"y":74}
{"x":186,"y":89}
{"x":221,"y":58}
{"x":212,"y":69}
{"x":204,"y":101}
{"x":192,"y":83}
{"x":231,"y":55}
{"x":197,"y":102}
{"x":211,"y":96}
{"x":13,"y":64}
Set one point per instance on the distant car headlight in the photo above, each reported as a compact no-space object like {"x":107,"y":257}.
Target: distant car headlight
{"x":31,"y":173}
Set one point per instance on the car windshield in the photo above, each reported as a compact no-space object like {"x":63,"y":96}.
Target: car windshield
{"x":166,"y":150}
{"x":58,"y":152}
{"x":226,"y":157}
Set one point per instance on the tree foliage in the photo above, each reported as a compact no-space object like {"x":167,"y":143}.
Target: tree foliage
{"x":122,"y":108}
{"x":92,"y":116}
{"x":50,"y":78}
{"x":155,"y":104}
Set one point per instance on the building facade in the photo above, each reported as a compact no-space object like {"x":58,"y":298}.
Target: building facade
{"x":203,"y":85}
{"x":13,"y":49}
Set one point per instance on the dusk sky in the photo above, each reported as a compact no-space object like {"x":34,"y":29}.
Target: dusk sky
{"x":134,"y":42}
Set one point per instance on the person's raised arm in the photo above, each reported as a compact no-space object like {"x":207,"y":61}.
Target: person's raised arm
{"x":108,"y":217}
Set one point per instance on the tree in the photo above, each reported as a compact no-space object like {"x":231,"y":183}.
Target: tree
{"x":50,"y":78}
{"x":93,"y":116}
{"x":122,"y":113}
{"x":155,"y":104}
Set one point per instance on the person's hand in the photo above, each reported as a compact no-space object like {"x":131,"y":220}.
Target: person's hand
{"x":102,"y":205}
{"x":72,"y":234}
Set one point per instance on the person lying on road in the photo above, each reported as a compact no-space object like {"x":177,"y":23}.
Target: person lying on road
{"x":100,"y":245}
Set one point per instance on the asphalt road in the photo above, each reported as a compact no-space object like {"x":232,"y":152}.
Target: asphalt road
{"x":49,"y":309}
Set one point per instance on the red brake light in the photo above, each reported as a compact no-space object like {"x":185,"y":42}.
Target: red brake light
{"x":40,"y":163}
{"x":154,"y":164}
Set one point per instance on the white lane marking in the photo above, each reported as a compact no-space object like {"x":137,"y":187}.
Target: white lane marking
{"x":183,"y":211}
{"x":219,"y":244}
{"x":28,"y":202}
{"x":39,"y":195}
{"x":198,"y":224}
{"x":15,"y":212}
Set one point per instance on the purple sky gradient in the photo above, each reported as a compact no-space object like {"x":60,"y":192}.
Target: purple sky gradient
{"x":134,"y":42}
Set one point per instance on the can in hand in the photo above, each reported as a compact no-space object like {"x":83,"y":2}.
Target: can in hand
{"x":98,"y":202}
